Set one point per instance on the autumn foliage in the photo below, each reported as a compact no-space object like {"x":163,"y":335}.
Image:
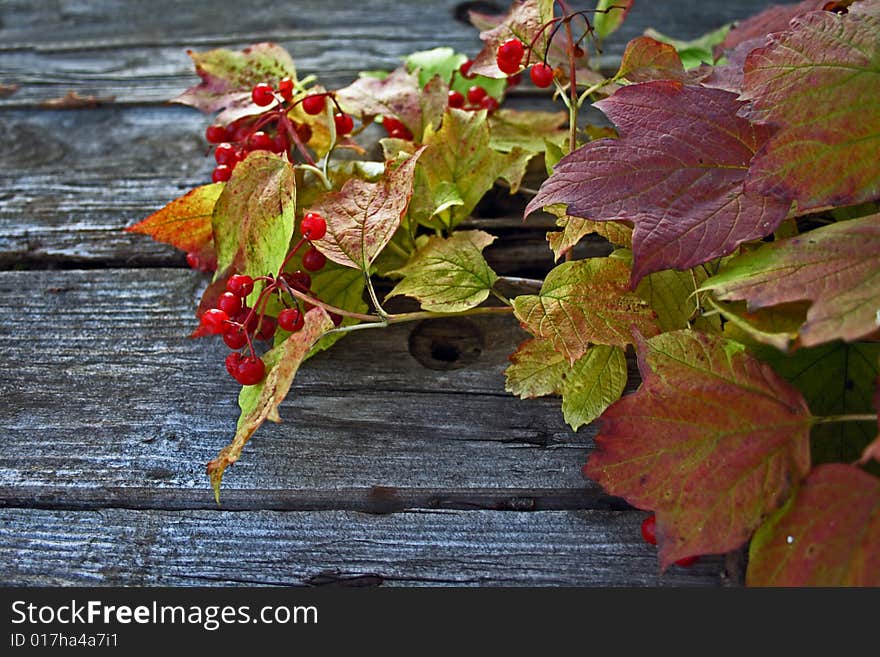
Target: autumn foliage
{"x":738,"y":192}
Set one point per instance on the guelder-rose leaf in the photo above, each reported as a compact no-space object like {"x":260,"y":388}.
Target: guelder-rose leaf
{"x":773,"y":19}
{"x":260,"y":403}
{"x":574,"y":229}
{"x":528,"y":130}
{"x":610,"y":15}
{"x":536,"y":369}
{"x":398,"y":95}
{"x":458,"y":168}
{"x":592,"y":384}
{"x":646,"y":59}
{"x":449,"y":274}
{"x":362,"y":216}
{"x":819,"y":83}
{"x":713,"y":441}
{"x":228,"y":77}
{"x":676,"y":172}
{"x":254,"y":215}
{"x":585,"y":302}
{"x":185,"y":222}
{"x":829,"y":535}
{"x":837,"y":267}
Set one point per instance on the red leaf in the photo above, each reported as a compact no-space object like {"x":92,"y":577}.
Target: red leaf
{"x":713,"y":441}
{"x":829,"y":535}
{"x":677,"y":172}
{"x":772,"y":19}
{"x":819,"y":84}
{"x":185,"y":222}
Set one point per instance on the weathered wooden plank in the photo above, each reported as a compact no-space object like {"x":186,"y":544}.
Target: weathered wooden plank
{"x":464,"y":548}
{"x":117,"y":49}
{"x":70,"y":182}
{"x":106,"y":392}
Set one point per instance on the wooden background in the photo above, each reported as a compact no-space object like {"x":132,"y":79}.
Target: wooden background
{"x":384,"y":472}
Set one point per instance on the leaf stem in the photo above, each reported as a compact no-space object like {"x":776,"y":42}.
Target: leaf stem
{"x":331,"y":309}
{"x":320,"y":174}
{"x":375,"y":299}
{"x":827,"y":419}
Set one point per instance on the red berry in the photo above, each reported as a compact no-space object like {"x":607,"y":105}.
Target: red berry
{"x":213,"y":320}
{"x":344,"y":123}
{"x":229,"y":303}
{"x":391,"y":124}
{"x":541,"y":75}
{"x":221,"y":173}
{"x":291,"y":319}
{"x":260,"y":141}
{"x":514,"y":80}
{"x":216,"y":134}
{"x":233,"y":360}
{"x":250,"y":371}
{"x":313,"y":104}
{"x":475,"y":94}
{"x":193,"y":260}
{"x":456,"y":99}
{"x":687,"y":562}
{"x":313,"y":260}
{"x":240,"y":129}
{"x":509,"y":55}
{"x":489,"y":103}
{"x":225,"y":153}
{"x":234,"y":337}
{"x":240,"y":285}
{"x":267,"y":328}
{"x":401,"y":133}
{"x":285,"y":88}
{"x":263,"y":94}
{"x":649,"y":529}
{"x":280,"y":143}
{"x":298,"y":280}
{"x":465,"y":69}
{"x":245,"y":318}
{"x":313,"y":226}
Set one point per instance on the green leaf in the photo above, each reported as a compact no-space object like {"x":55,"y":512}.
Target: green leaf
{"x":819,"y":84}
{"x":184,"y":223}
{"x":586,"y":302}
{"x":777,"y":326}
{"x":363,"y":216}
{"x":713,"y":441}
{"x":536,"y":369}
{"x":574,"y":229}
{"x":459,"y":156}
{"x":261,"y":403}
{"x":837,"y":267}
{"x":594,"y":382}
{"x":228,"y":76}
{"x":528,"y":130}
{"x":341,"y":287}
{"x":671,"y":295}
{"x":697,"y":51}
{"x":441,"y":61}
{"x":828,"y":535}
{"x":449,"y":275}
{"x":610,"y":15}
{"x":254,"y":216}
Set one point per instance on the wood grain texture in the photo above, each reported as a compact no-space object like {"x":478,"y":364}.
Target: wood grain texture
{"x":461,"y":548}
{"x":115,"y":48}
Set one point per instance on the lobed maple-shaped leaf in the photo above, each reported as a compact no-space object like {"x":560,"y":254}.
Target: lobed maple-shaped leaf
{"x":646,"y":59}
{"x":528,"y":130}
{"x":819,"y":83}
{"x":773,"y":19}
{"x":399,"y":95}
{"x":363,"y":216}
{"x":228,"y":77}
{"x":593,"y":383}
{"x":448,"y":274}
{"x":185,"y":222}
{"x":536,"y":369}
{"x":713,"y":441}
{"x":525,"y":21}
{"x":585,"y":302}
{"x":837,"y":267}
{"x":260,"y":402}
{"x":574,"y":229}
{"x":458,"y":168}
{"x":676,"y":172}
{"x":609,"y":16}
{"x":828,"y":535}
{"x":254,"y":215}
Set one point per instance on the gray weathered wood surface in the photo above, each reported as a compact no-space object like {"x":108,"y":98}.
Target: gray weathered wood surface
{"x":384,"y":472}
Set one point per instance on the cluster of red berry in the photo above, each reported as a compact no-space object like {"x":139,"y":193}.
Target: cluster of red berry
{"x":649,"y":534}
{"x":273,"y":130}
{"x":509,"y":58}
{"x":240,"y":324}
